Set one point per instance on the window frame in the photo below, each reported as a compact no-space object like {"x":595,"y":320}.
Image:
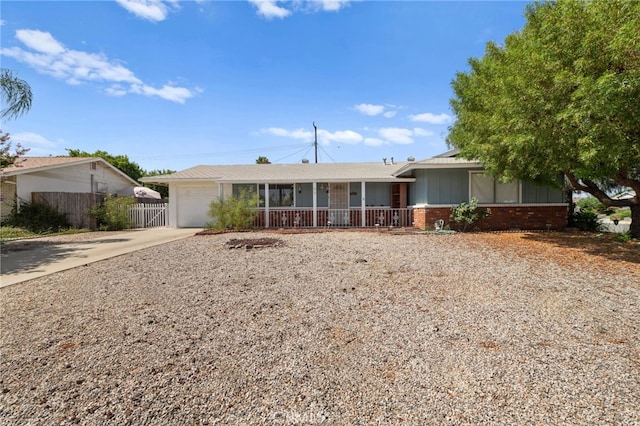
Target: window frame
{"x":494,"y":187}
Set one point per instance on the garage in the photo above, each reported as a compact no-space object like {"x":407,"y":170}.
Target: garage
{"x":193,"y":204}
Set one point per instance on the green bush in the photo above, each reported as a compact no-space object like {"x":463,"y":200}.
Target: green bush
{"x":38,"y":217}
{"x":586,"y":220}
{"x":467,"y":214}
{"x":113,"y":213}
{"x":591,"y":204}
{"x":620,"y":214}
{"x":234,"y":212}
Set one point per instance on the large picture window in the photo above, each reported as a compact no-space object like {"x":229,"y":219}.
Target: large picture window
{"x":489,"y":191}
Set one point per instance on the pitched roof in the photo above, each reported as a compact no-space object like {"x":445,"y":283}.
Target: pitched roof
{"x":300,"y":172}
{"x":35,"y":164}
{"x":31,"y":163}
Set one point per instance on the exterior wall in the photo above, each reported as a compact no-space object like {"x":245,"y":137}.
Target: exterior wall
{"x":526,"y":217}
{"x":73,"y":178}
{"x":7,"y":196}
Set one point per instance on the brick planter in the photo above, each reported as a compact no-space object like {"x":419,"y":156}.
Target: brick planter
{"x":525,"y":217}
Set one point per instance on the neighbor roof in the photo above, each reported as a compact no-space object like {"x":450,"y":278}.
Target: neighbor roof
{"x":26,"y":165}
{"x":298,"y":173}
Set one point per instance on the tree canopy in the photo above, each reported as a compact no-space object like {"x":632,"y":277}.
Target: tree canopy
{"x":16,"y":99}
{"x":122,"y":162}
{"x":15,"y":94}
{"x":262,"y":160}
{"x":560,"y":96}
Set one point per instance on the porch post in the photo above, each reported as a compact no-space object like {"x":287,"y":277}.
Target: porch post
{"x":363,"y":206}
{"x":220,"y":191}
{"x":315,"y":204}
{"x":266,"y":205}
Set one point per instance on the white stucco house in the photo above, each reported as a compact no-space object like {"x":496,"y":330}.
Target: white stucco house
{"x":85,"y":175}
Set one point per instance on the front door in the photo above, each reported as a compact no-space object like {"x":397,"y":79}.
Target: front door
{"x":339,"y":203}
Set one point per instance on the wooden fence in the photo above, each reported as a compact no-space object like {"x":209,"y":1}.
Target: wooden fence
{"x":74,"y":204}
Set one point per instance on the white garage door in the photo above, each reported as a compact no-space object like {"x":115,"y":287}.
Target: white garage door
{"x":193,"y":204}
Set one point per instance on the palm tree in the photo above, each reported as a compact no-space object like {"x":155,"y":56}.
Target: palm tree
{"x":15,"y":94}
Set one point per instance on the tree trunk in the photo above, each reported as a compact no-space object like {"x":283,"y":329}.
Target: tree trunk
{"x":634,"y":228}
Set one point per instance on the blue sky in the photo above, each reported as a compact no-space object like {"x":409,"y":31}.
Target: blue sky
{"x":174,"y":84}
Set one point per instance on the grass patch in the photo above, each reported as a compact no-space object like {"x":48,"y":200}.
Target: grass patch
{"x":7,"y":232}
{"x":11,"y":232}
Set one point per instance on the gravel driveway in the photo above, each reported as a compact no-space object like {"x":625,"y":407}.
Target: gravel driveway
{"x":333,"y":328}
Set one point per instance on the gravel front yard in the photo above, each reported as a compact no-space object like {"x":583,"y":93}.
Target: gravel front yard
{"x":330,"y":328}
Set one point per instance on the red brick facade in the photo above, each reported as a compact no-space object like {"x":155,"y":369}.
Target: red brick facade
{"x":526,"y":217}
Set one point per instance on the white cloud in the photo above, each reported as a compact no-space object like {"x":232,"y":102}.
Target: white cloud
{"x":324,"y":137}
{"x":270,"y":9}
{"x":51,"y":57}
{"x":333,"y":5}
{"x":294,"y":134}
{"x":397,"y":135}
{"x":152,"y":10}
{"x":369,"y":109}
{"x":418,"y":131}
{"x":274,"y":9}
{"x":40,"y":41}
{"x":38,"y":145}
{"x":168,"y":92}
{"x":340,"y":136}
{"x":430,"y":118}
{"x":373,"y":142}
{"x":387,"y":111}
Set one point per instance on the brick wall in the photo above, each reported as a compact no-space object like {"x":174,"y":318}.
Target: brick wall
{"x":501,"y":218}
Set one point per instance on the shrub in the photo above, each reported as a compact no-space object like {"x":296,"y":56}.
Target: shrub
{"x":234,"y":212}
{"x":467,"y":214}
{"x":620,"y":214}
{"x":591,"y":204}
{"x":38,"y":217}
{"x":113,"y":213}
{"x":623,"y":237}
{"x":586,"y":220}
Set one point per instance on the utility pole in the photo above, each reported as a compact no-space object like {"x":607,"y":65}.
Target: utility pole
{"x":315,"y":143}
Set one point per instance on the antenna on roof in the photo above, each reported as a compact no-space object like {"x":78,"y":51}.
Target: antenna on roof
{"x":315,"y":143}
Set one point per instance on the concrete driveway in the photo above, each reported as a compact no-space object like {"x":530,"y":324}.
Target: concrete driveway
{"x":40,"y":259}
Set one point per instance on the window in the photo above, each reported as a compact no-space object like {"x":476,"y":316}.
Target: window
{"x":249,"y":189}
{"x":489,"y":191}
{"x":279,"y":195}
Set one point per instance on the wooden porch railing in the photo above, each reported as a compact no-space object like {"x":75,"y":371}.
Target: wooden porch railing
{"x":303,"y":218}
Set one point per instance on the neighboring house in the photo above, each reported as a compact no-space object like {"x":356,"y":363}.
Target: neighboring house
{"x":76,"y":175}
{"x":412,"y":193}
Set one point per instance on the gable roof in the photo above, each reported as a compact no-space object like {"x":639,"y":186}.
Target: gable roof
{"x":27,"y":165}
{"x":286,"y":173}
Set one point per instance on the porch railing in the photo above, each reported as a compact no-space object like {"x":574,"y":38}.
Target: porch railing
{"x":304,"y":218}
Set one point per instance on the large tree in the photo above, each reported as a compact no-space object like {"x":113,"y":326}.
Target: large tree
{"x":560,"y":96}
